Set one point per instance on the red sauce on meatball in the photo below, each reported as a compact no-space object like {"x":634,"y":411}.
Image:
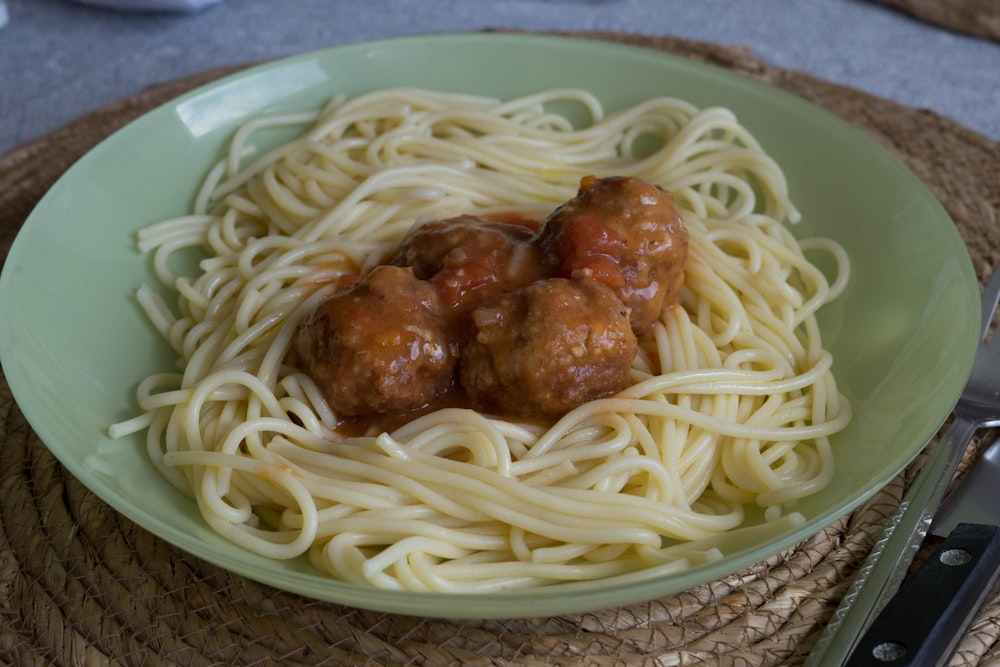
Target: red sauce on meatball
{"x":380,"y":346}
{"x":544,"y":349}
{"x":469,"y":259}
{"x":631,"y":224}
{"x":502,"y":314}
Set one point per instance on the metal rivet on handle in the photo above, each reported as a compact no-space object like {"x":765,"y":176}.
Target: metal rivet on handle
{"x":889,"y":651}
{"x":955,"y":557}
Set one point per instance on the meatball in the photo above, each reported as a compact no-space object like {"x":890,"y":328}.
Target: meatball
{"x":626,"y":234}
{"x":546,"y":348}
{"x":468,"y":259}
{"x":380,"y":346}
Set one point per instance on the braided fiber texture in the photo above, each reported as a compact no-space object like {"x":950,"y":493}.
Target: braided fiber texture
{"x":973,"y":17}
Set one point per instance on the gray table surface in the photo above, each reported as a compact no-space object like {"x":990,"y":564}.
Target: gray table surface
{"x":60,"y":59}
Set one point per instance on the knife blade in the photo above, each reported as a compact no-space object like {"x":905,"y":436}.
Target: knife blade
{"x":924,"y":622}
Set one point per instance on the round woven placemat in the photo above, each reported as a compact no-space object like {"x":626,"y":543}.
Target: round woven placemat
{"x":81,"y":585}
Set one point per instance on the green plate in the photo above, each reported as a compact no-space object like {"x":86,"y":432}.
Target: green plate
{"x":74,"y":343}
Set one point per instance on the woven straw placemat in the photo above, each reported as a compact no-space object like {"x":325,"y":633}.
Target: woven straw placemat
{"x":81,"y":585}
{"x":974,"y":17}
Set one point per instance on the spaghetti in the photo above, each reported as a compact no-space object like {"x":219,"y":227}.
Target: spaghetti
{"x":732,"y":401}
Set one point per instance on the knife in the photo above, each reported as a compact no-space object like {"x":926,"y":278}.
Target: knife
{"x":923,"y":623}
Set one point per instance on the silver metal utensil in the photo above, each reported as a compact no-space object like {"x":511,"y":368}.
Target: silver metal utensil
{"x":923,"y":623}
{"x":884,"y":569}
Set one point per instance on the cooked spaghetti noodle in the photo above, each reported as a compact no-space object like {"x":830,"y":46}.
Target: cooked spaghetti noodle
{"x":732,"y":402}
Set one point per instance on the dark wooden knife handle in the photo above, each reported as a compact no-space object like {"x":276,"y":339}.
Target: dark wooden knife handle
{"x":923,"y":623}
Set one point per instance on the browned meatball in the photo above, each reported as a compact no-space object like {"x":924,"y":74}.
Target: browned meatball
{"x":468,"y":259}
{"x":626,"y":234}
{"x":546,"y":348}
{"x":380,"y":346}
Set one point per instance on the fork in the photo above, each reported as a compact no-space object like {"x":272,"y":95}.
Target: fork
{"x":884,"y":569}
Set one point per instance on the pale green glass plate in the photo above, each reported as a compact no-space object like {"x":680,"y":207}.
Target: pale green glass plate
{"x":74,"y":344}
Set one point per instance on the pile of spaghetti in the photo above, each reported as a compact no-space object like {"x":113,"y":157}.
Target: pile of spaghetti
{"x":731,"y":403}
